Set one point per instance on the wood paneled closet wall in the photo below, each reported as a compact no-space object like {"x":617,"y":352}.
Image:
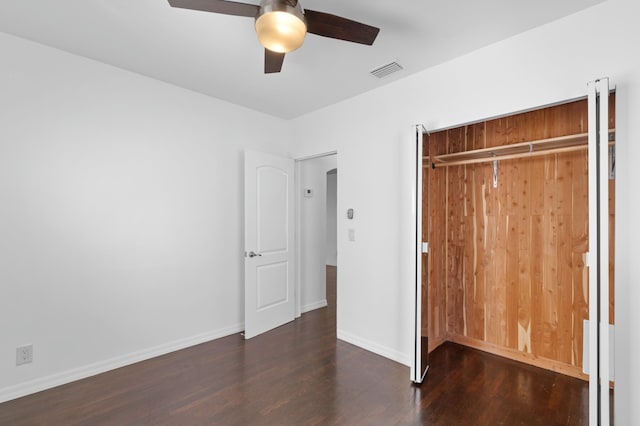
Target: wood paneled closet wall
{"x":506,"y":272}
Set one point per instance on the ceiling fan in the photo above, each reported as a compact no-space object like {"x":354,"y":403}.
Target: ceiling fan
{"x":281,"y":25}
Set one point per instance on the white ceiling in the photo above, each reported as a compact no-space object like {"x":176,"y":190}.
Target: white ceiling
{"x":219,"y":55}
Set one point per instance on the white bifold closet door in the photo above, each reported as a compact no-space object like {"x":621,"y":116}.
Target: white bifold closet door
{"x":598,"y":261}
{"x":420,"y":363}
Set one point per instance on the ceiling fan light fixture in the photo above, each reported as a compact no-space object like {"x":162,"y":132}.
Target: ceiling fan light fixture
{"x":280,"y":26}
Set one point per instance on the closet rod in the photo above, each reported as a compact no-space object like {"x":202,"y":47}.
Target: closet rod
{"x":493,"y":154}
{"x":508,"y":157}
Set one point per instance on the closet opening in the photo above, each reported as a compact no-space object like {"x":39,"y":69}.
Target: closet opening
{"x":505,"y":211}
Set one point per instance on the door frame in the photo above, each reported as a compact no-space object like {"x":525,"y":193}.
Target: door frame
{"x":298,"y":225}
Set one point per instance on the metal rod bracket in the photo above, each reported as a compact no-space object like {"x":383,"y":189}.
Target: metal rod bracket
{"x":495,"y":173}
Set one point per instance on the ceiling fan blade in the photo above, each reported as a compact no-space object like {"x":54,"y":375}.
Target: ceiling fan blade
{"x":218,"y":6}
{"x":272,"y":61}
{"x":327,"y":25}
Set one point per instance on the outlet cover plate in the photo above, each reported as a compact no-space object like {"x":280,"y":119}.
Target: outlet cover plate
{"x":24,"y":355}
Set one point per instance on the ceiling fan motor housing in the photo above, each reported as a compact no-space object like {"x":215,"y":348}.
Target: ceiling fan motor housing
{"x":280,"y":25}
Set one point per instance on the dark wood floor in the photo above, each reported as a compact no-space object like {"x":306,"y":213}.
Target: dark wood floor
{"x":300,"y":374}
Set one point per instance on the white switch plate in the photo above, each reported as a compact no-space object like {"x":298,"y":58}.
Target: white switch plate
{"x":352,"y":234}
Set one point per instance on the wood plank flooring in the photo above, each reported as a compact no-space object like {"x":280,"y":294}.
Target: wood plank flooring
{"x":299,"y":374}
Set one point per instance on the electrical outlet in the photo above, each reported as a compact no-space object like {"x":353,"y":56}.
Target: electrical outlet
{"x":24,"y":354}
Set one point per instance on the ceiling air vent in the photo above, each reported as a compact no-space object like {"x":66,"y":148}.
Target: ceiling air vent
{"x":385,"y":70}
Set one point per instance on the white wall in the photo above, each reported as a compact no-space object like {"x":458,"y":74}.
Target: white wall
{"x":372,"y":132}
{"x":332,"y":219}
{"x":120,"y":215}
{"x":312,"y":247}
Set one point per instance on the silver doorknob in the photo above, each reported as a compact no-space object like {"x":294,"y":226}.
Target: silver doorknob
{"x":253,"y":254}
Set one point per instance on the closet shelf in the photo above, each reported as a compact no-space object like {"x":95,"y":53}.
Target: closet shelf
{"x":519,"y":150}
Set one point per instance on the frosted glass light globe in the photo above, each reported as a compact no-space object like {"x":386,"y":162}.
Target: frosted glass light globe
{"x":280,"y":27}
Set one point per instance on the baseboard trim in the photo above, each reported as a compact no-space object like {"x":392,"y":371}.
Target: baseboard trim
{"x":313,"y":306}
{"x":527,"y":358}
{"x":435,"y":343}
{"x":53,"y":380}
{"x":376,"y":348}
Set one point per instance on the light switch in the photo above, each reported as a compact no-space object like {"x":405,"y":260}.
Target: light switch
{"x":352,"y":234}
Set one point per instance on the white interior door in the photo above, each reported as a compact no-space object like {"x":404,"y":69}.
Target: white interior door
{"x":269,"y":242}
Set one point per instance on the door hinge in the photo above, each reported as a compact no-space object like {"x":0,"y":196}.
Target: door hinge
{"x":425,"y":247}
